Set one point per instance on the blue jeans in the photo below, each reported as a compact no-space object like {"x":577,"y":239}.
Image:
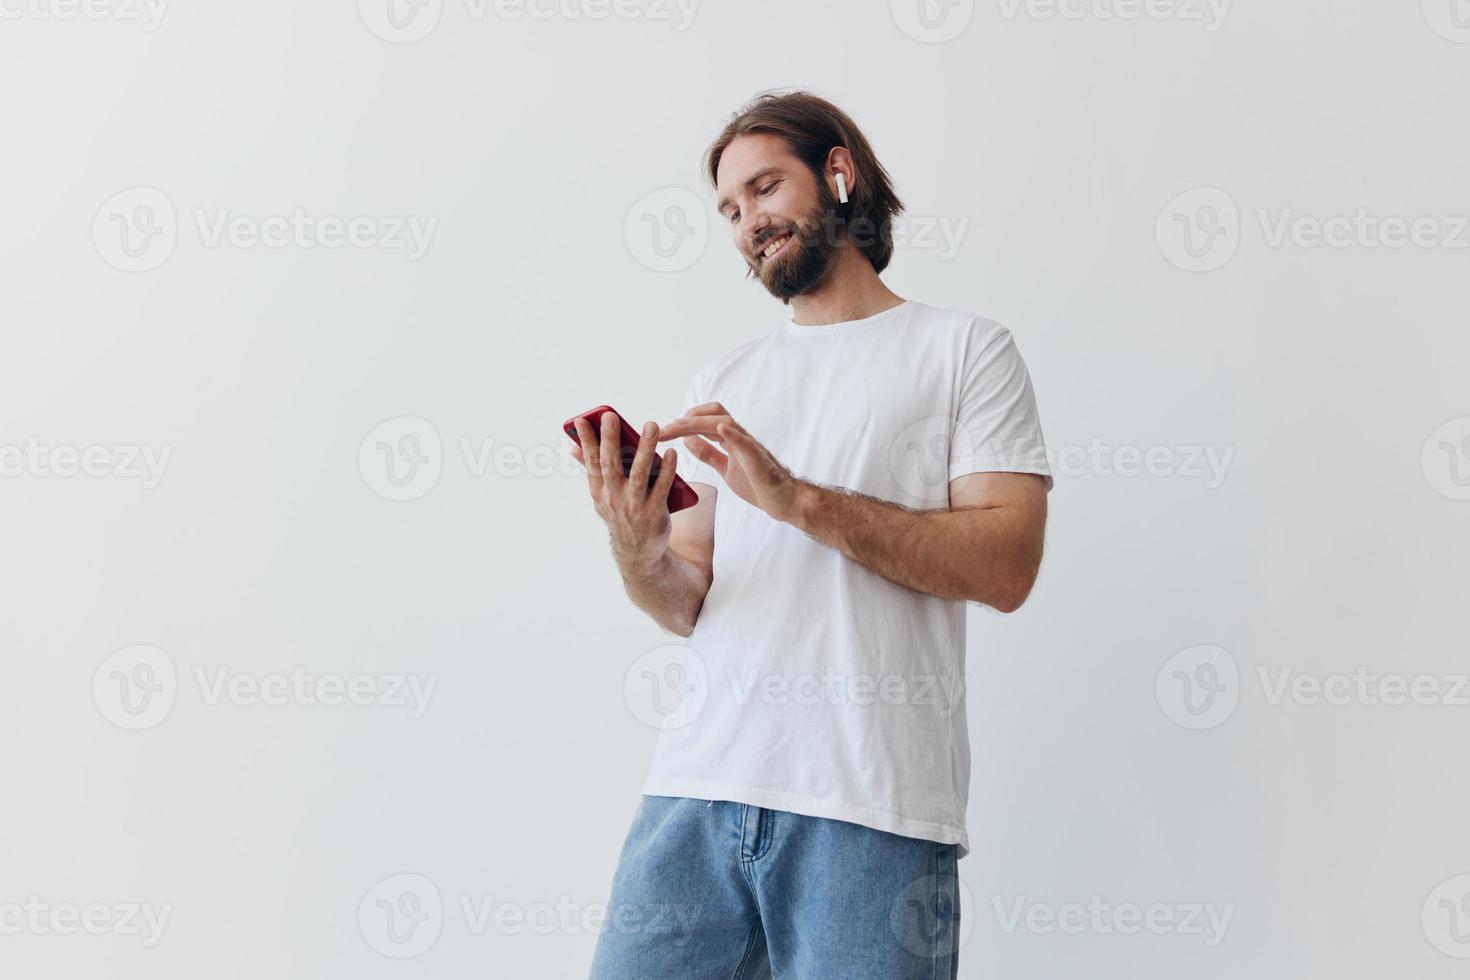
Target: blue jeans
{"x":713,"y":890}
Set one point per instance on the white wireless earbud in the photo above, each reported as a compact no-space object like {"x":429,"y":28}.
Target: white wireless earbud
{"x":842,"y":188}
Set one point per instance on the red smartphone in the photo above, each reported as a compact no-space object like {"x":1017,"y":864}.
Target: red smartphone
{"x":681,"y":494}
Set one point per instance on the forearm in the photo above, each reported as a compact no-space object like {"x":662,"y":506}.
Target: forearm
{"x":980,"y":554}
{"x":671,"y":590}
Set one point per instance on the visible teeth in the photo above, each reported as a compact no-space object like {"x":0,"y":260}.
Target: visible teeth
{"x":771,"y":248}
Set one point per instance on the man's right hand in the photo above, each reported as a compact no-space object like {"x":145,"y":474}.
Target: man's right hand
{"x":637,"y":516}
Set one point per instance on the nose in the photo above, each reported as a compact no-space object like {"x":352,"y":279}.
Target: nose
{"x":754,"y":233}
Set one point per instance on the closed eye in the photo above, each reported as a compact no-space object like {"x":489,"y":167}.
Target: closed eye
{"x":734,"y":214}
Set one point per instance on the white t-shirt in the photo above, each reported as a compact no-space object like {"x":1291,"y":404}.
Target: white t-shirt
{"x":812,"y":684}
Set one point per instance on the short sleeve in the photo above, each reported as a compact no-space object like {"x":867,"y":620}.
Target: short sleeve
{"x":997,"y":426}
{"x":692,"y":469}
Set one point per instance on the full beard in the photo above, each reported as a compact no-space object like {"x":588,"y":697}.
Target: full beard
{"x":803,"y":263}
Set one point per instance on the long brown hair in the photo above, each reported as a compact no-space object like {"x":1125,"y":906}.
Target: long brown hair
{"x":811,"y":127}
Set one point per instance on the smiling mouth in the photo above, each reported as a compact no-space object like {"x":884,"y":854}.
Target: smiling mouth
{"x":773,"y":247}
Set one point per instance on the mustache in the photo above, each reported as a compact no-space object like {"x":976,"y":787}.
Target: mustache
{"x":769,"y":236}
{"x":825,"y":220}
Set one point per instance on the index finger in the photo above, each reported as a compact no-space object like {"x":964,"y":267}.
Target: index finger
{"x":706,"y":425}
{"x":708,"y":408}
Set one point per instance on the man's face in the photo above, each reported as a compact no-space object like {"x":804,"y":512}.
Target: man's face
{"x":771,"y":200}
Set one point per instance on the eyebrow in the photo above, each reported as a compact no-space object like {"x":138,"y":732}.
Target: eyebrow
{"x":755,"y":178}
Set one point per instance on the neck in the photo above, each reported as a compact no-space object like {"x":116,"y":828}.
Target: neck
{"x":851,"y":291}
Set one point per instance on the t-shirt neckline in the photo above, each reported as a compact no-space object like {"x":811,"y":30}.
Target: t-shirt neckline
{"x":795,"y":329}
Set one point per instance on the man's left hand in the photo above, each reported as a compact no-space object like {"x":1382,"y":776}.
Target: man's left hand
{"x":747,"y":467}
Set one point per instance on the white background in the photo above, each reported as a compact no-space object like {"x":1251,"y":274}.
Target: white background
{"x":1335,"y":539}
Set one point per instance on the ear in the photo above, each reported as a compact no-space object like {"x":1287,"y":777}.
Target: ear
{"x":839,"y":161}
